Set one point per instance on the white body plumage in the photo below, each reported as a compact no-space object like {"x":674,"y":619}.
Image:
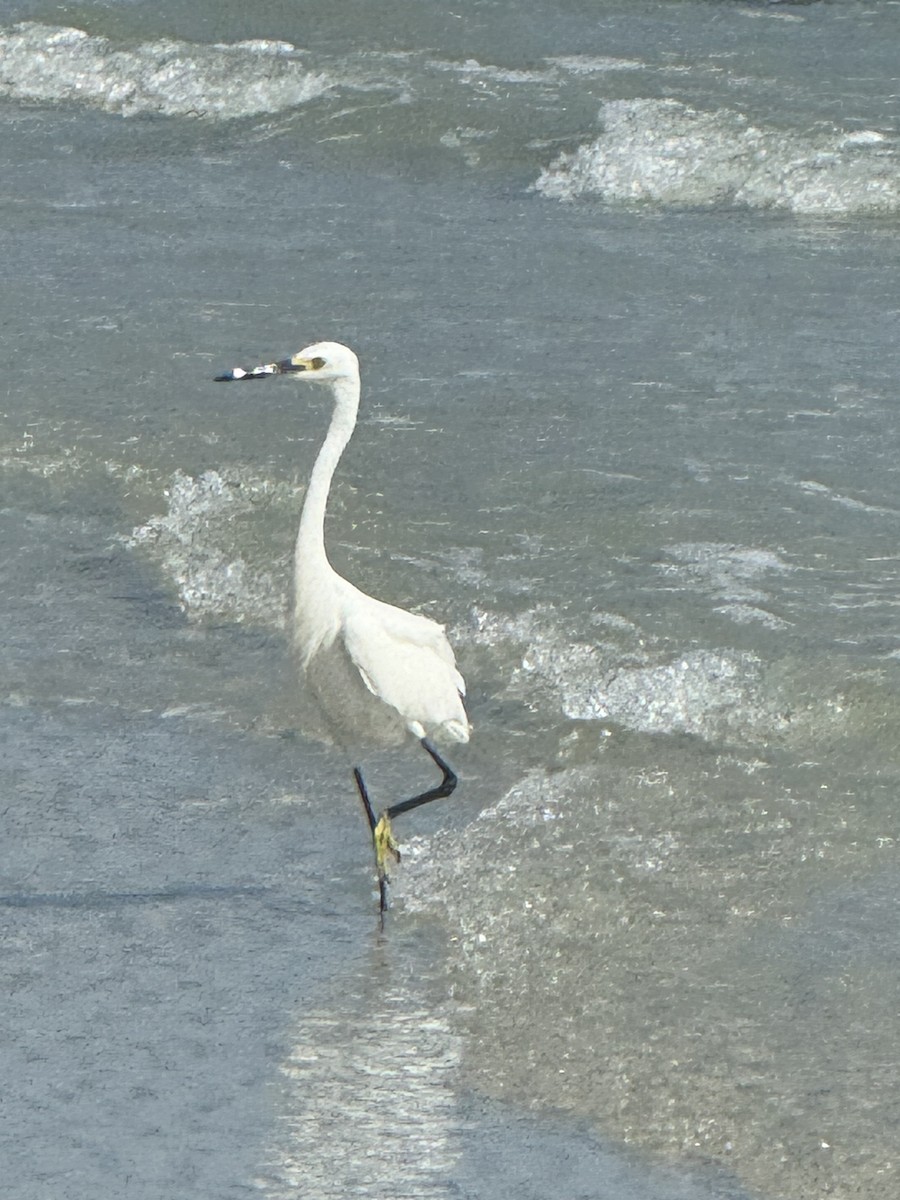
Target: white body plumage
{"x":380,"y":674}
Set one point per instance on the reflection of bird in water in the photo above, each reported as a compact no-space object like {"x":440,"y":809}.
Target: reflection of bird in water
{"x":378,"y":672}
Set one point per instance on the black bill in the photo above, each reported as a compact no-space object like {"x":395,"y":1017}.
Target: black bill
{"x":286,"y":367}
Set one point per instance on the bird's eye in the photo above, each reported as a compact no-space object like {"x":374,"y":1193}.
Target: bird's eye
{"x":317,"y":363}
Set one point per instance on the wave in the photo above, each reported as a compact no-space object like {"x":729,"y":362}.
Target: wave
{"x":665,"y":153}
{"x":709,"y":693}
{"x":225,"y":538}
{"x":54,"y":63}
{"x":732,"y":575}
{"x":586,"y":897}
{"x":207,"y":544}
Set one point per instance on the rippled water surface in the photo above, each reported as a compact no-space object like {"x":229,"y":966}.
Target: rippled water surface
{"x":622,"y":279}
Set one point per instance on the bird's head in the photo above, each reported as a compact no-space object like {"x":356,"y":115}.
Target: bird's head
{"x":322,"y":362}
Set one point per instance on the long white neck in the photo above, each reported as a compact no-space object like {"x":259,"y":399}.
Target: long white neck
{"x":310,"y":559}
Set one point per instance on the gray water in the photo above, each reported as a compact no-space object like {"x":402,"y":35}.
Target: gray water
{"x":622,"y":279}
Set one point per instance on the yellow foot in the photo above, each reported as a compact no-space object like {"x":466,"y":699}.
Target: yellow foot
{"x":386,"y":847}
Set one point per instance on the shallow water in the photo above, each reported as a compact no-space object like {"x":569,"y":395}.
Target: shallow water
{"x":636,"y":448}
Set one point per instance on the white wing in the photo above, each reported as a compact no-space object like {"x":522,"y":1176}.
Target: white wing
{"x":406,"y":661}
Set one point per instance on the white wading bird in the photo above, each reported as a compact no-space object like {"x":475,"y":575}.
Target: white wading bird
{"x":378,"y":672}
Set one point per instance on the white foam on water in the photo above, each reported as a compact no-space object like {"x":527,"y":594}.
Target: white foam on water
{"x":732,"y":575}
{"x":55,"y":63}
{"x":663,"y":152}
{"x":712,"y":694}
{"x":707,"y":693}
{"x":600,"y":921}
{"x":591,"y":64}
{"x":813,"y":487}
{"x":473,"y":71}
{"x":196,"y":543}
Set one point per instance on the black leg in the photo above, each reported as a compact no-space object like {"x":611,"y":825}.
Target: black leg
{"x":443,"y":789}
{"x":364,"y":796}
{"x":385,"y":846}
{"x":373,"y":824}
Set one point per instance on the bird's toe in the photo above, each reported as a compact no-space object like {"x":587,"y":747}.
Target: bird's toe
{"x":386,"y":848}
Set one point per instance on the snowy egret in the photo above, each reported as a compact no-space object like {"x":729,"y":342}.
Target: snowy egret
{"x":380,"y":674}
